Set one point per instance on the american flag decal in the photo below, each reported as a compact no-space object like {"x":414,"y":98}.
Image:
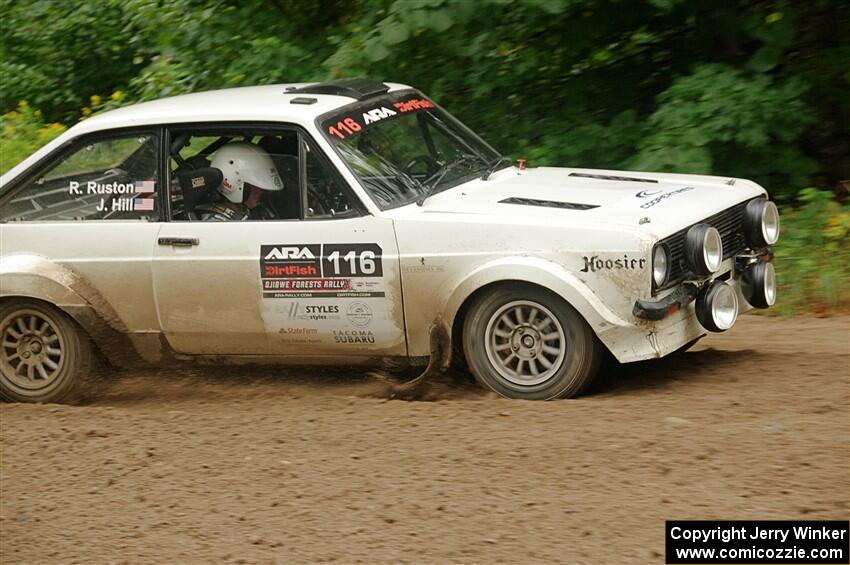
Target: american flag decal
{"x":145,"y":186}
{"x":143,"y":204}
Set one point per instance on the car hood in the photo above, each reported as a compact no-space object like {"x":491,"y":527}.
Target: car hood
{"x":653,"y":203}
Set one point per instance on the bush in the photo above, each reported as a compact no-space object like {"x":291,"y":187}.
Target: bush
{"x":23,"y":132}
{"x":813,"y":255}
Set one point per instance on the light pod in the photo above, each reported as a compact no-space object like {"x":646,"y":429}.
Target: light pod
{"x":761,"y":223}
{"x":758,"y":285}
{"x":703,"y":249}
{"x":717,"y":307}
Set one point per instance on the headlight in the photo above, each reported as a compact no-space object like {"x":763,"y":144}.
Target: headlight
{"x":717,"y":307}
{"x":761,"y":222}
{"x":758,"y":284}
{"x":703,"y":249}
{"x":660,"y":266}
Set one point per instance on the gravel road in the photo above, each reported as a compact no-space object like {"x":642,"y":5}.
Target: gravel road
{"x":254,"y":465}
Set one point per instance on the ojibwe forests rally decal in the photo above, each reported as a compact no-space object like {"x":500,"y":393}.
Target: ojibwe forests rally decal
{"x":325,"y":293}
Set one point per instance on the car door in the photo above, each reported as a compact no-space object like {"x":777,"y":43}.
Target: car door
{"x":322,"y":283}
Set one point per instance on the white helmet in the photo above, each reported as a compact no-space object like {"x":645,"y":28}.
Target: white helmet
{"x":242,"y":163}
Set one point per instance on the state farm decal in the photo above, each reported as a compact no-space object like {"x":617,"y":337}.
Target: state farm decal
{"x":321,"y":270}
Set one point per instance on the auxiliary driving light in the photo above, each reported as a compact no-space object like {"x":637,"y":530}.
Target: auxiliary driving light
{"x":703,"y":249}
{"x":758,"y":284}
{"x":660,"y":266}
{"x":717,"y":307}
{"x":761,"y":223}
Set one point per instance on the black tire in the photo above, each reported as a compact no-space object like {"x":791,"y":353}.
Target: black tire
{"x":569,"y":372}
{"x":33,"y":335}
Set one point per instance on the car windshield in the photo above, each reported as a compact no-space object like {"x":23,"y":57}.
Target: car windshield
{"x":403,"y":148}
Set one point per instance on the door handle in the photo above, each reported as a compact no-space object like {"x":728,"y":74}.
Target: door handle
{"x":179,"y":241}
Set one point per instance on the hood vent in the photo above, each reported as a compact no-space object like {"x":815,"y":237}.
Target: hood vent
{"x":547,"y":203}
{"x":611,"y":177}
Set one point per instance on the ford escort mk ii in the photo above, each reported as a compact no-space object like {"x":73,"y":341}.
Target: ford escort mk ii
{"x":355,"y":223}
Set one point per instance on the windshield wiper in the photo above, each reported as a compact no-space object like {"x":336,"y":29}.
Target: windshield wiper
{"x":430,"y":184}
{"x":492,"y":167}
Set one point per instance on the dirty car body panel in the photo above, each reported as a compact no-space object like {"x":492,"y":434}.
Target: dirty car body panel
{"x":435,"y":226}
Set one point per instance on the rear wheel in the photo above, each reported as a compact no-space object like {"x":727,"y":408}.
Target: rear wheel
{"x":44,"y":356}
{"x":526,"y":342}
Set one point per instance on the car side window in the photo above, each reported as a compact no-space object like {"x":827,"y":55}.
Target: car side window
{"x":327,"y":196}
{"x":253,"y":174}
{"x":234,"y":174}
{"x":97,"y":179}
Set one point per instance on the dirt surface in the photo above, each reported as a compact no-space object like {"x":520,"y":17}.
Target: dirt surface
{"x":253,"y":465}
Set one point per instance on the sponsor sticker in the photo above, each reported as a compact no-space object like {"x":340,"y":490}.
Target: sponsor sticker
{"x":359,"y":314}
{"x":343,"y":126}
{"x":354,"y":336}
{"x":299,"y":311}
{"x":327,"y":269}
{"x":326,"y":293}
{"x":647,"y":193}
{"x":662,"y":197}
{"x":596,"y":263}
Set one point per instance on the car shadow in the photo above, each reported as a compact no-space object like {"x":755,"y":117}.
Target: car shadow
{"x":617,"y":378}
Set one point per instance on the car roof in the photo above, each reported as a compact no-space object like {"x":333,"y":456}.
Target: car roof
{"x":251,"y":103}
{"x":270,"y":103}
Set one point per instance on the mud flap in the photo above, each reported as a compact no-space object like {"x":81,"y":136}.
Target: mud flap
{"x":438,"y":362}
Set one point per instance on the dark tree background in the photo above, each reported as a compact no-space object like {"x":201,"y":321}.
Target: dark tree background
{"x":759,"y":89}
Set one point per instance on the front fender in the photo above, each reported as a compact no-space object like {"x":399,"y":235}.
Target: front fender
{"x":532,"y":270}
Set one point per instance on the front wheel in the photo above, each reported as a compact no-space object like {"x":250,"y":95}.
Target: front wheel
{"x":44,"y":356}
{"x":526,"y":342}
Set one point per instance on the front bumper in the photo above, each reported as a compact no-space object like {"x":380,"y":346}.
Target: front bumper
{"x":663,"y":326}
{"x":687,"y":291}
{"x":673,"y":302}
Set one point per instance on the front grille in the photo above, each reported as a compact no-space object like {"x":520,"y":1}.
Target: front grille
{"x":729,"y":223}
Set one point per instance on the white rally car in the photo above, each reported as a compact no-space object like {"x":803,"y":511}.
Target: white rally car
{"x":391,"y":234}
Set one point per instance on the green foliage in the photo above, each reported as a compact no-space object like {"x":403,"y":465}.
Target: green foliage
{"x":813,"y":255}
{"x":717,"y":120}
{"x":753,"y":89}
{"x":23,"y":131}
{"x":57,"y":54}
